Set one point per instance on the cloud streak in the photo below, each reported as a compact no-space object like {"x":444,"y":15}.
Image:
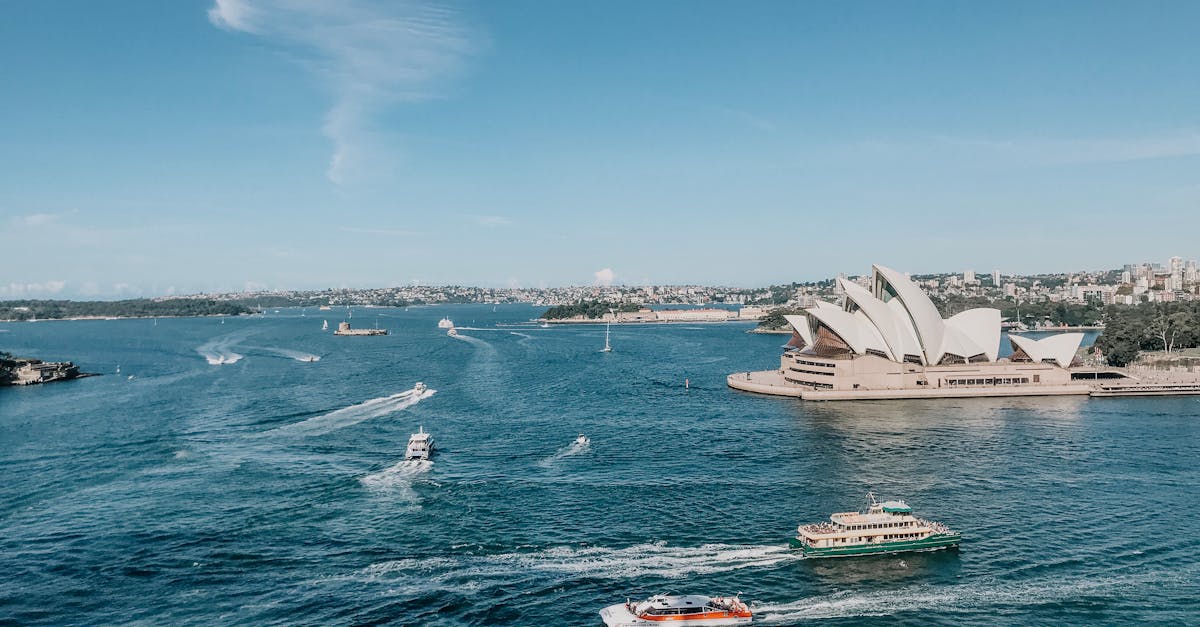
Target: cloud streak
{"x":395,"y":232}
{"x":370,"y":55}
{"x":35,"y":219}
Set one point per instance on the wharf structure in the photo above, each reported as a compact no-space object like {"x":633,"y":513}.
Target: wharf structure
{"x":891,"y":342}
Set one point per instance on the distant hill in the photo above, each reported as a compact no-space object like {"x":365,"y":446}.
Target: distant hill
{"x":135,"y":308}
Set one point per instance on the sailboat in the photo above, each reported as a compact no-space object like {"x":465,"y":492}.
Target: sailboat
{"x":325,"y":325}
{"x":607,"y":346}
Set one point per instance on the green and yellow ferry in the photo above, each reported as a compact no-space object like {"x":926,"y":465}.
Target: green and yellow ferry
{"x":887,"y":527}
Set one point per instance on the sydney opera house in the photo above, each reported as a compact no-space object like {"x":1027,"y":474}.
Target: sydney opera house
{"x":891,"y":342}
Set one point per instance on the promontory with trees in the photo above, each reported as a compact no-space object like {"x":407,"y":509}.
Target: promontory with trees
{"x":588,"y":309}
{"x":134,"y":308}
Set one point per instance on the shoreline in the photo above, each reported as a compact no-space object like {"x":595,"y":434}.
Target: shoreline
{"x":79,"y":318}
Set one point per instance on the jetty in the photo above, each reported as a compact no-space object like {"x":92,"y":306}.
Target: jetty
{"x":344,"y":329}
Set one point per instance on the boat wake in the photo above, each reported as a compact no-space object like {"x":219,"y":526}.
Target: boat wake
{"x":219,"y":350}
{"x":575,"y":448}
{"x":963,"y":597}
{"x":471,"y":340}
{"x":290,"y":354}
{"x":398,"y":478}
{"x":565,"y":564}
{"x":354,"y":414}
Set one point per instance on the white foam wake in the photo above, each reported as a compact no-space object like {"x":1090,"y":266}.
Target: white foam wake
{"x":354,"y":414}
{"x":219,"y":350}
{"x":399,"y":477}
{"x":575,"y":448}
{"x":222,"y":358}
{"x":291,"y":354}
{"x":924,"y":597}
{"x":566,"y":563}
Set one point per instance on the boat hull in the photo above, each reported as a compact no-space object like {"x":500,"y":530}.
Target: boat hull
{"x":932,"y":543}
{"x":620,"y":616}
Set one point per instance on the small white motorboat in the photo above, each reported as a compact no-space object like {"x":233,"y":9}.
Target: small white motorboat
{"x":678,"y":610}
{"x":420,"y":446}
{"x":419,"y":387}
{"x":582,"y":440}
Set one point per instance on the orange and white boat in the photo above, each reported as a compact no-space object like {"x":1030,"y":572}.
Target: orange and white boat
{"x":668,"y":609}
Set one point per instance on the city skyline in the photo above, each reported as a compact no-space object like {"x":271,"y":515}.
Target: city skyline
{"x":217,"y":146}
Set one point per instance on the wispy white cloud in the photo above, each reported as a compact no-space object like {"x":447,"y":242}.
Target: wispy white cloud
{"x":32,"y":290}
{"x":1068,"y":151}
{"x":35,"y":219}
{"x":605,"y":276}
{"x":491,"y":220}
{"x":370,"y":55}
{"x":396,"y":232}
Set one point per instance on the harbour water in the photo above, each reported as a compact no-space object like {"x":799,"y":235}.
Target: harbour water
{"x":232,"y":481}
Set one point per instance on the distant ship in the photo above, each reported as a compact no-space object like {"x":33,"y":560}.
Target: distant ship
{"x":445,"y":323}
{"x":420,"y":446}
{"x":324,"y":308}
{"x":887,"y":527}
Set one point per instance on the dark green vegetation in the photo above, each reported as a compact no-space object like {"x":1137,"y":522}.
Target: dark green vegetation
{"x":135,"y":308}
{"x":587,"y":309}
{"x":775,"y":319}
{"x":8,"y":365}
{"x":1149,"y":326}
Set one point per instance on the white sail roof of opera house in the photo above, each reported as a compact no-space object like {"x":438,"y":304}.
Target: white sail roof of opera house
{"x":800,"y":324}
{"x":893,"y":324}
{"x":1057,"y":348}
{"x":900,"y":322}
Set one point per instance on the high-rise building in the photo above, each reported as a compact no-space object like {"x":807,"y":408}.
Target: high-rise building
{"x":968,"y":276}
{"x":995,"y":278}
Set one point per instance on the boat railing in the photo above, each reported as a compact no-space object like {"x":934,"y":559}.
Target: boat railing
{"x":936,"y":527}
{"x":820,"y":528}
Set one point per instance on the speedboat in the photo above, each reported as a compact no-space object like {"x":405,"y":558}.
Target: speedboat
{"x":678,"y":610}
{"x":420,"y":446}
{"x":419,"y":387}
{"x":452,"y":332}
{"x":582,"y":440}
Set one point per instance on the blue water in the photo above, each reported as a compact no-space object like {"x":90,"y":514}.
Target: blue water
{"x":267,"y":490}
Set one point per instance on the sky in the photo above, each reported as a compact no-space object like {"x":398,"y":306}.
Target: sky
{"x":153,"y":148}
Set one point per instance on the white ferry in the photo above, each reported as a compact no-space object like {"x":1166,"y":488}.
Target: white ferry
{"x":678,"y":610}
{"x":445,"y":323}
{"x":887,"y":527}
{"x":420,"y":446}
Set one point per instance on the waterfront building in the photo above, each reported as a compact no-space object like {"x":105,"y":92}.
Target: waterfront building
{"x":891,"y":342}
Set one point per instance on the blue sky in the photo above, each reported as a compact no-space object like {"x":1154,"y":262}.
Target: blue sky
{"x":172,"y":147}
